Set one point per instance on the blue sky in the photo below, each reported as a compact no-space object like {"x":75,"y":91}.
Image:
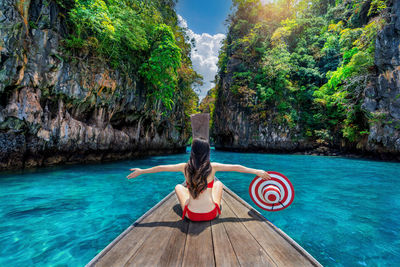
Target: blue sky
{"x":204,"y":20}
{"x":204,"y":15}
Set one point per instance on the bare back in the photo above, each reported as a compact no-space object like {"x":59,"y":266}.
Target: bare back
{"x":204,"y":201}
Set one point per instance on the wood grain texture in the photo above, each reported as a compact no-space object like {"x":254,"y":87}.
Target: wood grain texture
{"x":120,"y":253}
{"x":283,"y":253}
{"x":240,"y":236}
{"x":247,"y":249}
{"x":199,"y":249}
{"x":279,"y":232}
{"x":164,"y":247}
{"x":223,"y":251}
{"x":173,"y":254}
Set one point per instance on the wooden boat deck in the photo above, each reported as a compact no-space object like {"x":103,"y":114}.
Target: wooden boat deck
{"x":240,"y":236}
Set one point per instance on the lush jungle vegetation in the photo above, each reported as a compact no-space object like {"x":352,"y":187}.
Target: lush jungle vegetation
{"x":140,"y":38}
{"x":304,"y":63}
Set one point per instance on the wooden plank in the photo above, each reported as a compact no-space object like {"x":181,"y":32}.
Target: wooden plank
{"x":247,"y":249}
{"x":223,"y":250}
{"x":270,"y":226}
{"x":240,"y":236}
{"x":164,"y":247}
{"x":283,"y":253}
{"x":126,"y":246}
{"x":173,"y":254}
{"x":198,"y":247}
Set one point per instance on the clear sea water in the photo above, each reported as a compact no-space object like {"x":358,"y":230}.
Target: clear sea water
{"x":346,"y":211}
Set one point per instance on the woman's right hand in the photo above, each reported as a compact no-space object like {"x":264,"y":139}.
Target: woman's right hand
{"x":263,"y":174}
{"x":134,"y":174}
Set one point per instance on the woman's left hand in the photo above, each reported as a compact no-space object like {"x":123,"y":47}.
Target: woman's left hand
{"x":134,"y":174}
{"x":264,"y":175}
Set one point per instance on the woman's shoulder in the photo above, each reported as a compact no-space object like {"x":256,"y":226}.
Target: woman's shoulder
{"x":183,"y":164}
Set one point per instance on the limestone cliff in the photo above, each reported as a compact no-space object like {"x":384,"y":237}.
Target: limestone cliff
{"x":238,"y":125}
{"x":56,"y":109}
{"x":382,"y":97}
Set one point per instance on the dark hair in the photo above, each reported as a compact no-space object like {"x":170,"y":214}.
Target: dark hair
{"x":198,"y":167}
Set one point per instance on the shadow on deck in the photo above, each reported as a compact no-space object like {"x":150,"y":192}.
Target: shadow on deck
{"x":240,"y":236}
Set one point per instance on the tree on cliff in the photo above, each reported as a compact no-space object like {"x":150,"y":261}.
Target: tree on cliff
{"x":303,"y":64}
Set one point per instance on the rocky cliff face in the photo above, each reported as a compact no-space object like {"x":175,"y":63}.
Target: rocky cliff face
{"x":237,"y":126}
{"x":382,"y":96}
{"x":56,"y":109}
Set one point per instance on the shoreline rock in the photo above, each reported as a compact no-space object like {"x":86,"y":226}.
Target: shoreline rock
{"x":91,"y":158}
{"x":387,"y":157}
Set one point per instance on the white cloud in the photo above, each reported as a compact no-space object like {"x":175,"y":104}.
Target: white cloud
{"x":204,"y":55}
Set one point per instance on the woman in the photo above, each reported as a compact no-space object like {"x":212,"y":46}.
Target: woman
{"x":201,"y":199}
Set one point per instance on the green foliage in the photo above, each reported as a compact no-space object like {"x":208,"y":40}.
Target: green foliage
{"x":276,"y":67}
{"x":139,"y":38}
{"x":115,"y":29}
{"x":340,"y":96}
{"x":377,"y":6}
{"x":160,"y":71}
{"x":307,"y":61}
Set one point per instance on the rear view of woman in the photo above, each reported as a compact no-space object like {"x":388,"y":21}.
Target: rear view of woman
{"x":201,"y":199}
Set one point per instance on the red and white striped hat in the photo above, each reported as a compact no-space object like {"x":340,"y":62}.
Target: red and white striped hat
{"x":274,"y":194}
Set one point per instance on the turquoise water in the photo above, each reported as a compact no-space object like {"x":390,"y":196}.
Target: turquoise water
{"x":346,"y":212}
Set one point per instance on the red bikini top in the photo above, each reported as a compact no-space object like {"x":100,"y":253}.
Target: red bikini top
{"x":209,"y":185}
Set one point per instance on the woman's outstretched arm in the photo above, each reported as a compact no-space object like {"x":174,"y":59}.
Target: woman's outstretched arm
{"x":160,"y":168}
{"x":239,"y":168}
